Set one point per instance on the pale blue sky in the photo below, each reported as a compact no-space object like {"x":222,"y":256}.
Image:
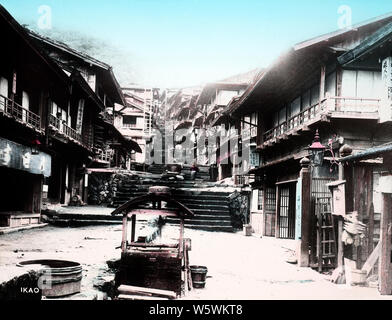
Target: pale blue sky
{"x":189,"y":42}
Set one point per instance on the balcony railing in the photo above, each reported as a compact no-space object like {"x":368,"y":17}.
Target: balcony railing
{"x":104,"y":155}
{"x":345,"y":105}
{"x":11,"y":109}
{"x":67,"y":131}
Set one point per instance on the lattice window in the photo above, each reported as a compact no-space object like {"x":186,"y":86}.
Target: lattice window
{"x":270,"y":199}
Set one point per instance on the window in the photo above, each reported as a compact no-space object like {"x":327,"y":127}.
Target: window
{"x":260,"y":202}
{"x":129,"y":121}
{"x":295,"y":107}
{"x":3,"y":92}
{"x":26,"y":100}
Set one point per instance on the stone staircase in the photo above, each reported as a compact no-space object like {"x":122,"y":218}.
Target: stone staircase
{"x":156,"y":169}
{"x":211,"y":208}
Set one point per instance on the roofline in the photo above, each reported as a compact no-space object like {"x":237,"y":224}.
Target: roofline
{"x":85,"y":57}
{"x":64,"y":47}
{"x":306,"y":44}
{"x":24,"y":34}
{"x":117,"y":85}
{"x":324,"y":37}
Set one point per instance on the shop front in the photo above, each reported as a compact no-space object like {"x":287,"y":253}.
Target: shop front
{"x":22,"y":171}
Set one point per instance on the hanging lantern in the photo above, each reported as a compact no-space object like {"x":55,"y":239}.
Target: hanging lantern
{"x":316,"y":151}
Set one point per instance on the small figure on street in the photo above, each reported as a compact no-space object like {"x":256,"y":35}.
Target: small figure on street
{"x":194,"y":171}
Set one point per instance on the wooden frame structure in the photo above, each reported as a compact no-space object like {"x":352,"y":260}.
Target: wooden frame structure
{"x":157,"y":266}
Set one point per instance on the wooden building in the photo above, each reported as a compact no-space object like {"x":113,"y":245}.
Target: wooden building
{"x":53,"y":123}
{"x":332,"y":84}
{"x":83,"y":124}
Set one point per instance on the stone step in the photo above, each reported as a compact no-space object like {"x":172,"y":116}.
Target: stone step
{"x":210,"y":228}
{"x":212,"y":217}
{"x":225,"y":223}
{"x":197,"y":201}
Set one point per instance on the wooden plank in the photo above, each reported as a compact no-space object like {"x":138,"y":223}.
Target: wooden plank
{"x":371,"y":261}
{"x":137,"y":298}
{"x":132,"y":290}
{"x":153,"y":212}
{"x":124,"y":234}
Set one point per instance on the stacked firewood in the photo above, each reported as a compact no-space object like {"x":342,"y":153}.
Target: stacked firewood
{"x":101,"y":189}
{"x":103,"y":186}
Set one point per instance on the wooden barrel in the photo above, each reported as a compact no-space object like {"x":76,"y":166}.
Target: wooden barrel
{"x":59,"y":278}
{"x":199,"y":274}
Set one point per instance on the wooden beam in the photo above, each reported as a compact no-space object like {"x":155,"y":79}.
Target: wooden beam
{"x":303,"y":257}
{"x":148,"y":292}
{"x":371,"y":261}
{"x":322,"y":82}
{"x":277,"y":212}
{"x":124,"y":234}
{"x":133,"y":226}
{"x":153,"y":212}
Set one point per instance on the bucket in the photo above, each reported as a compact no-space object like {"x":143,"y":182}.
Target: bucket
{"x":199,"y":275}
{"x":60,"y":278}
{"x":358,"y":277}
{"x":247,"y":230}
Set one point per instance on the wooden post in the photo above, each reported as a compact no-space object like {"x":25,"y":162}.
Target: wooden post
{"x":305,"y":176}
{"x":263,"y":228}
{"x":385,"y":269}
{"x":322,"y":82}
{"x":339,"y":82}
{"x":340,"y":255}
{"x":133,"y":234}
{"x":124,"y":233}
{"x":181,"y":240}
{"x":277,"y":212}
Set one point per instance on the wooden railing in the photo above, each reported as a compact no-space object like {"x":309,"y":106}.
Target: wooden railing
{"x":60,"y":126}
{"x":10,"y":108}
{"x":330,"y":104}
{"x":104,"y":155}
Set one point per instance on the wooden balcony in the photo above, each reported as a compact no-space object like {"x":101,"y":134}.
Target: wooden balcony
{"x":331,"y":107}
{"x":63,"y":129}
{"x":22,"y":115}
{"x":104,"y":156}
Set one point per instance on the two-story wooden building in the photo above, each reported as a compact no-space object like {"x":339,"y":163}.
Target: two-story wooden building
{"x":331,"y":84}
{"x":53,"y":123}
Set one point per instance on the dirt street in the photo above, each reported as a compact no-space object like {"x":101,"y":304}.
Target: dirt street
{"x":239,"y":267}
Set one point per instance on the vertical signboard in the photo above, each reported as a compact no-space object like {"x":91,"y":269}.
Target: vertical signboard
{"x":386,"y":100}
{"x":79,"y":119}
